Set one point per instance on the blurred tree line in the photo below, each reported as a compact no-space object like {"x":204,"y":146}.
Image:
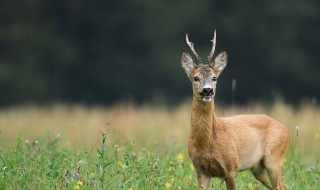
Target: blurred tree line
{"x":94,"y":51}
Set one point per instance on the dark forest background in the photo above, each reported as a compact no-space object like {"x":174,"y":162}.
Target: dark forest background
{"x":101,"y":52}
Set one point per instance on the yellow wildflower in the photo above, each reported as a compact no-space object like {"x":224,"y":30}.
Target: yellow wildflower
{"x":80,"y":183}
{"x":250,"y":185}
{"x":168,"y":185}
{"x":121,"y":164}
{"x":180,"y":157}
{"x":77,"y":187}
{"x":191,"y":167}
{"x":172,"y":180}
{"x":154,"y":166}
{"x":131,"y":189}
{"x":170,"y":169}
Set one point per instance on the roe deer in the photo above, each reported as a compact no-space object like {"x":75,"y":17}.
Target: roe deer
{"x":221,"y":146}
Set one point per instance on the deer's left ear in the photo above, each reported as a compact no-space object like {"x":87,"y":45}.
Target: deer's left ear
{"x":187,"y":63}
{"x":220,"y":62}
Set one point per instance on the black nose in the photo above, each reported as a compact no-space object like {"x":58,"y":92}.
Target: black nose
{"x":207,"y":90}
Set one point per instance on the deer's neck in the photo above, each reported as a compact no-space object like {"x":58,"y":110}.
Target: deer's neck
{"x":203,"y":124}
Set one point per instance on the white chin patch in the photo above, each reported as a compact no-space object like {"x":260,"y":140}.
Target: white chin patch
{"x":207,"y":99}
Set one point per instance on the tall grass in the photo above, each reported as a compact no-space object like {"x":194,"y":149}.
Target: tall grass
{"x":156,"y":127}
{"x":133,"y":147}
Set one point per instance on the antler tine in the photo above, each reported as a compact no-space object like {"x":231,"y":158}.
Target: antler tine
{"x":213,"y":48}
{"x":190,"y":44}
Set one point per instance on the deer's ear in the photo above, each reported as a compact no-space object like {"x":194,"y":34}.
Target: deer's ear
{"x":187,"y":63}
{"x":220,"y":62}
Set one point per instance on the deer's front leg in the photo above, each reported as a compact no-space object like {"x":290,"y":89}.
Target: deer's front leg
{"x":203,"y":178}
{"x":203,"y":181}
{"x":231,"y":181}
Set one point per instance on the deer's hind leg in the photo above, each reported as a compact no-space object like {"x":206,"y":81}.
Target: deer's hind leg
{"x":260,"y":173}
{"x":274,"y":169}
{"x":274,"y":174}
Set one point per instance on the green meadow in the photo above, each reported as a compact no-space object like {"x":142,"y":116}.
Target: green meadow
{"x":134,"y":147}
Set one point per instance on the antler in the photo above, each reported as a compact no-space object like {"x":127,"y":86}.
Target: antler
{"x":213,"y":48}
{"x":190,"y":44}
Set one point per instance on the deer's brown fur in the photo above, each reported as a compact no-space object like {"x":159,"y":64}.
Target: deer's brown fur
{"x":221,"y":146}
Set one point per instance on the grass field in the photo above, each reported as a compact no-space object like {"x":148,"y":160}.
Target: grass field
{"x":133,"y":147}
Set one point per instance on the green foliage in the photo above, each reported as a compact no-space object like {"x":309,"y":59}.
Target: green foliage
{"x":39,"y":165}
{"x":102,"y":51}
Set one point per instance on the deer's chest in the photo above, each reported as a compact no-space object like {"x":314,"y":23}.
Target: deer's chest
{"x":208,"y":164}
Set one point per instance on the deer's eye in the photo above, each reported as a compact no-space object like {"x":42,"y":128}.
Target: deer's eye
{"x":214,"y":79}
{"x":196,"y":78}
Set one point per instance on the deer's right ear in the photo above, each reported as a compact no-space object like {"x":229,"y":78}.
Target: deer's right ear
{"x":187,"y":63}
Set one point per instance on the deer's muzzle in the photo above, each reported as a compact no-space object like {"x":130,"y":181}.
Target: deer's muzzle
{"x":206,"y":94}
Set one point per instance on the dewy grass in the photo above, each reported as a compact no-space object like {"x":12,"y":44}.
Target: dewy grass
{"x":40,"y":165}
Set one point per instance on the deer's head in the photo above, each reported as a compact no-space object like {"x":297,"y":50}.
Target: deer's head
{"x":204,"y":75}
